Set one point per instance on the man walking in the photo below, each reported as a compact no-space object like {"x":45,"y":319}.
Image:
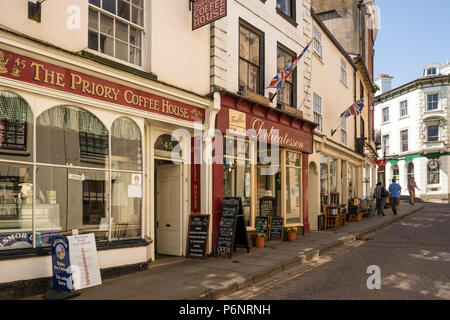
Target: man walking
{"x":412,"y":190}
{"x":379,"y":196}
{"x":394,"y":195}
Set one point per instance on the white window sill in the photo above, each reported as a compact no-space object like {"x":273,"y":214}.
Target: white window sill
{"x":387,"y":122}
{"x":404,"y":117}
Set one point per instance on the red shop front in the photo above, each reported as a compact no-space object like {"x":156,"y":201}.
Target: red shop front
{"x":264,"y":156}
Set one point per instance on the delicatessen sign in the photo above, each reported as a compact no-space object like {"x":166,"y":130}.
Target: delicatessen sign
{"x":37,"y":72}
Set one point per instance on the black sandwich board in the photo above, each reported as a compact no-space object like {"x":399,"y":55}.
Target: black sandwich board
{"x":232,"y":230}
{"x":197,"y":241}
{"x":276,"y":228}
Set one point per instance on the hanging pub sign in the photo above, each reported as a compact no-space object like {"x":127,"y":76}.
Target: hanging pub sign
{"x":207,"y":11}
{"x":381,"y":163}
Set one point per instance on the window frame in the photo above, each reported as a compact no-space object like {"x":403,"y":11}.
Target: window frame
{"x":428,"y":133}
{"x":402,"y":141}
{"x":261,"y":35}
{"x":293,"y":92}
{"x":433,"y":102}
{"x":317,"y":41}
{"x":116,"y":17}
{"x":403,"y":107}
{"x":383,"y":115}
{"x":383,"y":144}
{"x":291,"y":17}
{"x":435,"y":171}
{"x":318,"y":113}
{"x":344,"y":75}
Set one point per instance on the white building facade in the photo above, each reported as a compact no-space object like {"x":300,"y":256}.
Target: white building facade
{"x":414,"y":130}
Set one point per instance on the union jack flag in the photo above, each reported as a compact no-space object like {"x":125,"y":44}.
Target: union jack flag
{"x":278,"y":80}
{"x":354,"y":109}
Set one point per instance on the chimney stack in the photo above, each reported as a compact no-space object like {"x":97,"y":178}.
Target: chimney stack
{"x":384,"y":82}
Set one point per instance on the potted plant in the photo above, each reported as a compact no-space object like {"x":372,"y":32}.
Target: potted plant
{"x":259,"y":240}
{"x":292,"y":233}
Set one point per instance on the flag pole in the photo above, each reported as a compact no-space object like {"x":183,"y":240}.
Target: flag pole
{"x":273,"y":97}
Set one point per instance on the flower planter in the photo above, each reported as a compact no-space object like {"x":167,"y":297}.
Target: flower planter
{"x":259,"y":242}
{"x":291,"y":235}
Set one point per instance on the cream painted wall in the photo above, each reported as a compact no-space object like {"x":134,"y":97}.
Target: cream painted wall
{"x":53,"y":27}
{"x":336,"y":96}
{"x":276,"y":29}
{"x":172,"y":55}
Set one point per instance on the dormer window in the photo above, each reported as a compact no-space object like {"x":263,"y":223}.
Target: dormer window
{"x":431,"y":69}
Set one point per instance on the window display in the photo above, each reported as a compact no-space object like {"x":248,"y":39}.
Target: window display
{"x":293,"y":188}
{"x":72,"y":185}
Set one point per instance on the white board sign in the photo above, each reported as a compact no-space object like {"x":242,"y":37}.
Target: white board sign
{"x":84,"y":261}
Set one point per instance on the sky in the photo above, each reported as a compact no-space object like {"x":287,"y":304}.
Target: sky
{"x":412,"y":34}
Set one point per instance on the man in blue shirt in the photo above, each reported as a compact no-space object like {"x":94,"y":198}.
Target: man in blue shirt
{"x":394,"y":195}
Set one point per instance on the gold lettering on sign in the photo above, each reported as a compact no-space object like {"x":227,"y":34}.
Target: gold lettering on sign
{"x":47,"y":76}
{"x":93,"y":88}
{"x":271,"y":136}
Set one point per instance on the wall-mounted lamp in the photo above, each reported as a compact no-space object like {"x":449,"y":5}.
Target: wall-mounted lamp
{"x":34,"y":10}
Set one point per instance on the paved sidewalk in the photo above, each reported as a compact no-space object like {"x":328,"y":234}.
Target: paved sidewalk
{"x":193,"y":279}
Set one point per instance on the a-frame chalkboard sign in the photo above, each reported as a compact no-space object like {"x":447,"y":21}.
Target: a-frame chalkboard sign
{"x":232,"y":230}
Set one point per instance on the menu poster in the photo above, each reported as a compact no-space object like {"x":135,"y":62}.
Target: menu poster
{"x":225,"y":238}
{"x":197,"y":242}
{"x":262,"y":226}
{"x":267,"y":207}
{"x":276,"y":228}
{"x":84,"y":261}
{"x":232,"y":205}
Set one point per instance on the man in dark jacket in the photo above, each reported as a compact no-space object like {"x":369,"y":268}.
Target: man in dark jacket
{"x":379,"y":196}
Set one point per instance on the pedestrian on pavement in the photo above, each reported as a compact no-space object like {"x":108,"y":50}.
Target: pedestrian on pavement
{"x":412,"y":190}
{"x":394,"y":195}
{"x":379,"y":195}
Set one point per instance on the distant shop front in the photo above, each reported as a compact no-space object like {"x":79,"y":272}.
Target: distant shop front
{"x":264,"y":156}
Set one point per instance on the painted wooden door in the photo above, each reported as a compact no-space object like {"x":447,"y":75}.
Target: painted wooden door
{"x":168,"y":211}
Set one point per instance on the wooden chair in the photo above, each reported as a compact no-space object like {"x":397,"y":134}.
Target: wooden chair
{"x":331,"y":221}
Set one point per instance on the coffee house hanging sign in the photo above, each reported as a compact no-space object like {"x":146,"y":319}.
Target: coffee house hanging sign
{"x":207,"y":11}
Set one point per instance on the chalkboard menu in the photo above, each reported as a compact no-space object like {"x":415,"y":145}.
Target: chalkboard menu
{"x":232,"y":206}
{"x":276,"y":228}
{"x":262,"y":226}
{"x":225,"y":238}
{"x":197,"y":242}
{"x":232,"y":230}
{"x":267,"y":207}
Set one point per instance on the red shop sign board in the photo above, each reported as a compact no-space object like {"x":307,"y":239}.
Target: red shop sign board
{"x":29,"y":70}
{"x":381,"y":163}
{"x":207,"y":11}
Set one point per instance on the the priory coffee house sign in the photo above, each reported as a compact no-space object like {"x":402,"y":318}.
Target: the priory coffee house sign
{"x":26,"y":69}
{"x":207,"y":11}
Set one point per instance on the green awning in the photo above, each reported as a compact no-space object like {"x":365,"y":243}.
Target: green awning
{"x":411,"y":157}
{"x":392,"y":161}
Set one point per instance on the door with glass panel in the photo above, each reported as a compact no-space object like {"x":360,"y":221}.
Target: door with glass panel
{"x":168,"y":209}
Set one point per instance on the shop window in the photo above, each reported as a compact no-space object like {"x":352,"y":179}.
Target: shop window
{"x":396,"y":173}
{"x":16,"y":128}
{"x":351,"y":181}
{"x":251,"y":71}
{"x":16,"y":202}
{"x":71,"y":136}
{"x":116,"y":29}
{"x":126,"y":184}
{"x":126,"y":147}
{"x":238,"y":174}
{"x":410,"y":171}
{"x":433,"y":173}
{"x":293,"y":188}
{"x":287,"y":94}
{"x":333,"y":175}
{"x":324,"y":192}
